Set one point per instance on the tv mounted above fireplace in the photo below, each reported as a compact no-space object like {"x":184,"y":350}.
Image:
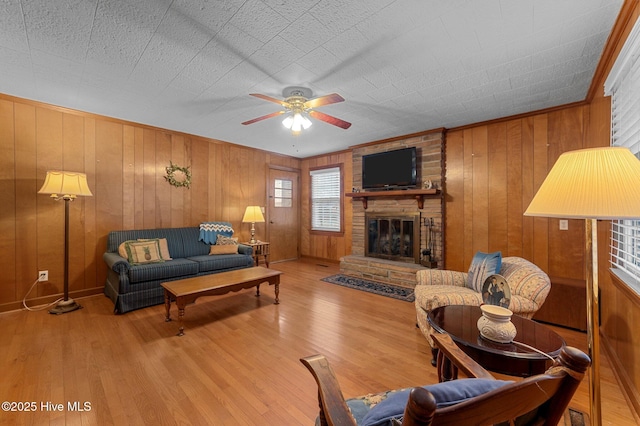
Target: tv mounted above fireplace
{"x":390,"y":170}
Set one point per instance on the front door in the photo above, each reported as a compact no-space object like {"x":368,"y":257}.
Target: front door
{"x":283,"y":216}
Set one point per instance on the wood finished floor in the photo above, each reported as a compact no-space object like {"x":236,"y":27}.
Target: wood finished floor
{"x":238,"y":363}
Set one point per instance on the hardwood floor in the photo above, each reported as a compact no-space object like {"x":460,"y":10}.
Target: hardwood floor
{"x":237,"y":364}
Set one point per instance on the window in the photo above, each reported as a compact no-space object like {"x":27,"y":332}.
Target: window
{"x":283,"y":193}
{"x":623,"y":85}
{"x":326,"y":200}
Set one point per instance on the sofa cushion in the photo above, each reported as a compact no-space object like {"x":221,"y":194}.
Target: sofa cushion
{"x":181,"y":242}
{"x":191,"y":246}
{"x":380,"y":409}
{"x":161,"y":271}
{"x":139,"y":252}
{"x":223,"y":249}
{"x":222,"y":262}
{"x":482,"y":266}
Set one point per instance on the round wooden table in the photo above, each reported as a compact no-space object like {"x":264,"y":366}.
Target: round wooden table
{"x":460,"y":322}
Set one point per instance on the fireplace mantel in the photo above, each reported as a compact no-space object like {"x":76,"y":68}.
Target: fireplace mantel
{"x":418,"y":194}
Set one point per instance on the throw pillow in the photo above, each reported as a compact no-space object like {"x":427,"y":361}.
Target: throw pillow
{"x":223,"y":249}
{"x":140,"y":252}
{"x":482,"y":266}
{"x":225,"y":241}
{"x":164,"y":247}
{"x":445,"y":393}
{"x":122,"y":250}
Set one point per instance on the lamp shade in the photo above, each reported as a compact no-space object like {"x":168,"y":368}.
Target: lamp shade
{"x":594,"y":183}
{"x":65,"y":184}
{"x":253,"y":214}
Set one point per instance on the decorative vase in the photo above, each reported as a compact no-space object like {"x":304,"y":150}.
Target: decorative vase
{"x":495,"y":324}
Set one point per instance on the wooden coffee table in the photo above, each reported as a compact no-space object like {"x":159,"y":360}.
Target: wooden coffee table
{"x":460,"y":322}
{"x":188,"y":290}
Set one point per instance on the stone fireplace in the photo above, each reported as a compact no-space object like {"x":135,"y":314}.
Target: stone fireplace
{"x":396,"y":233}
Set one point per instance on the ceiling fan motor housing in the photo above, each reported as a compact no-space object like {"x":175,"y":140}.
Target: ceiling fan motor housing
{"x":297,"y":91}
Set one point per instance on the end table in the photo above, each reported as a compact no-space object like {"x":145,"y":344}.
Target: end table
{"x":260,"y":248}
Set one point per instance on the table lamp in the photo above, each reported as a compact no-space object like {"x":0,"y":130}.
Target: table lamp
{"x":253,"y":214}
{"x":591,"y":184}
{"x":65,"y":186}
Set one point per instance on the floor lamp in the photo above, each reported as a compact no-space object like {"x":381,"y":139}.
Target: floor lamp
{"x":65,"y":186}
{"x":591,"y":184}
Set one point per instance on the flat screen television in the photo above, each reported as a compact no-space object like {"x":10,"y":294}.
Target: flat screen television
{"x":389,"y":170}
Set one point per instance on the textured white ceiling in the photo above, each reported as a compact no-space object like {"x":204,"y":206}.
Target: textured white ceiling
{"x":403,"y":66}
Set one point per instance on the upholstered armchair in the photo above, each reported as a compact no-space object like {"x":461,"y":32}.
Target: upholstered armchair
{"x":528,"y":283}
{"x":478,"y":399}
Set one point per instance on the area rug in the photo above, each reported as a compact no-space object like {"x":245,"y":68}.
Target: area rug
{"x":389,"y":290}
{"x":573,"y":417}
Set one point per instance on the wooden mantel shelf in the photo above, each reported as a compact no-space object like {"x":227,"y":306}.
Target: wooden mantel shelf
{"x":418,"y":194}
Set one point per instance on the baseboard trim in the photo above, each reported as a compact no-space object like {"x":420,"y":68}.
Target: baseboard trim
{"x":43,"y":300}
{"x":626,"y":384}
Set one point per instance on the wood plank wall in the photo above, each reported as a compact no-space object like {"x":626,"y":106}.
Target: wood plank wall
{"x":492,"y":173}
{"x":326,"y":246}
{"x":125,"y":165}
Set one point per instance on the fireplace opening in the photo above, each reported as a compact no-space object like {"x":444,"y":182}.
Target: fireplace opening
{"x":393,"y":237}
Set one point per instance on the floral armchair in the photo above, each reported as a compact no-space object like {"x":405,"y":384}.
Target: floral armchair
{"x":529,"y":287}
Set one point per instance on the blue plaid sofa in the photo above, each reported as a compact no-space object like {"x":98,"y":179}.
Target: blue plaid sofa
{"x":138,"y":286}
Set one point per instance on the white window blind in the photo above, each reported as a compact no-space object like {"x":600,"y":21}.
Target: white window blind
{"x":623,"y":85}
{"x":325,"y":199}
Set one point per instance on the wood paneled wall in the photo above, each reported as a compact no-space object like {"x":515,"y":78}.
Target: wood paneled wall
{"x":325,"y":245}
{"x":492,"y":173}
{"x":125,"y":165}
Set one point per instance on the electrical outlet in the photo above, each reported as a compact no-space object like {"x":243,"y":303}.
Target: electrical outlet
{"x":43,"y":276}
{"x":564,"y":225}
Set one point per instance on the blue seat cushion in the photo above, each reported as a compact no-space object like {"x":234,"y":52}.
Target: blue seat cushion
{"x":161,"y":271}
{"x":221,"y":262}
{"x":380,"y":409}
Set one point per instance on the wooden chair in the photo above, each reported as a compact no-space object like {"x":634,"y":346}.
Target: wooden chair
{"x":536,"y":400}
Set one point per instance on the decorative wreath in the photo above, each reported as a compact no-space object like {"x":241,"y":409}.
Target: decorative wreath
{"x":183,"y":177}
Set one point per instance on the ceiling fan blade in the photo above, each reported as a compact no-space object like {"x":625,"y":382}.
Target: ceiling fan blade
{"x":270,"y":99}
{"x":333,"y":98}
{"x":264,"y":117}
{"x":330,"y":119}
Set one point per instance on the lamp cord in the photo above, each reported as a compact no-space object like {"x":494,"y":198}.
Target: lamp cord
{"x":42,"y":308}
{"x":533,"y":349}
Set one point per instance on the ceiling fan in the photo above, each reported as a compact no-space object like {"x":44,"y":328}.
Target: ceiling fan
{"x":297,"y":103}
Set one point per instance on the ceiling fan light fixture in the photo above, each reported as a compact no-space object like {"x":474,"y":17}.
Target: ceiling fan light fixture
{"x":287,"y":122}
{"x":297,"y":122}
